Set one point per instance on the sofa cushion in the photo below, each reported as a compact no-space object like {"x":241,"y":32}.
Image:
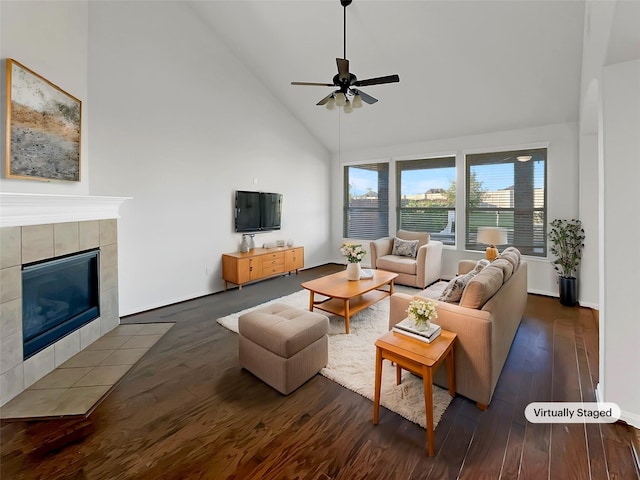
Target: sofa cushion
{"x":394,"y":263}
{"x":506,"y":266}
{"x":404,"y":248}
{"x":515,"y":253}
{"x":512,"y":258}
{"x":422,"y":237}
{"x":482,"y":287}
{"x":453,"y":291}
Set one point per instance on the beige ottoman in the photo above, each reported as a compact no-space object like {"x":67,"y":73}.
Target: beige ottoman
{"x":283,"y":346}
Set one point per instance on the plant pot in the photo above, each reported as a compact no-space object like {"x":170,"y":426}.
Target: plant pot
{"x":569,"y":291}
{"x":353,"y":271}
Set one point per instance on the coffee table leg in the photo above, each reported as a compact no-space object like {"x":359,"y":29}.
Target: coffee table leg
{"x":428,"y":405}
{"x":311,"y":299}
{"x":376,"y":397}
{"x":391,"y":288}
{"x":346,"y":315}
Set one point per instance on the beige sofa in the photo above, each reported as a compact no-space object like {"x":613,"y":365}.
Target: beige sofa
{"x":486,"y":320}
{"x":415,"y":271}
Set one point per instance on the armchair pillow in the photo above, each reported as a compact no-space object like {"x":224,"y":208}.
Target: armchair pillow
{"x":405,"y":248}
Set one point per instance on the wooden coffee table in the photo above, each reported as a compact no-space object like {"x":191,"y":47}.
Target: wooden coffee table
{"x":420,"y":358}
{"x":345,"y":297}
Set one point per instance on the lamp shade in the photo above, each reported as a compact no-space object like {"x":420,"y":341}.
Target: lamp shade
{"x":492,"y":235}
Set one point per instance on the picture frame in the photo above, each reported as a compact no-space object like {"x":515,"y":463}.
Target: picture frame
{"x":43,"y":128}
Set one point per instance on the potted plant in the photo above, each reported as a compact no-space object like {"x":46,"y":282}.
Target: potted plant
{"x":567,"y":237}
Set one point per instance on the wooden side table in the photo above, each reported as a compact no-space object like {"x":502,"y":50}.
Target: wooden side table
{"x":420,"y":358}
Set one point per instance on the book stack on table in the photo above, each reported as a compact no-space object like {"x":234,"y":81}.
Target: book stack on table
{"x":407,"y":327}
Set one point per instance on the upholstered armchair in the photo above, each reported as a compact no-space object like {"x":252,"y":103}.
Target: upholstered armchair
{"x":412,"y":255}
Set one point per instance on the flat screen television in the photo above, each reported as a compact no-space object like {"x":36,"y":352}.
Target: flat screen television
{"x":257,"y":211}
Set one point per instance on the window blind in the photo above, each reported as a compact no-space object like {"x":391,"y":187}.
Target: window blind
{"x":502,"y":191}
{"x":366,"y":201}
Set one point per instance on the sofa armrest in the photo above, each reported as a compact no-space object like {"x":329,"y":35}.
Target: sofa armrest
{"x":429,"y":263}
{"x":398,"y":304}
{"x":380,"y":247}
{"x":465,"y":266}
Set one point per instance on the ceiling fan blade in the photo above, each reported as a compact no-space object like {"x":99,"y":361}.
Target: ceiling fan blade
{"x":325,"y":99}
{"x":343,"y":68}
{"x":314,"y":84}
{"x":365,"y":97}
{"x":377,"y":81}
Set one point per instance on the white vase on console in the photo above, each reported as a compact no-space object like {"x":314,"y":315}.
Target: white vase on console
{"x":354,"y":271}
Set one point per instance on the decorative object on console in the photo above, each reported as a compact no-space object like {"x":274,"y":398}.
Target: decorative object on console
{"x":422,"y":312}
{"x":567,"y":237}
{"x":252,"y":243}
{"x":492,"y":236}
{"x":244,"y":245}
{"x":43,"y":128}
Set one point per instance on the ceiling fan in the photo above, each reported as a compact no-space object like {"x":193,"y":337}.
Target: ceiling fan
{"x":347,"y":95}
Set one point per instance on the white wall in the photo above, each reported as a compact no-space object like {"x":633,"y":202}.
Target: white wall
{"x":179,"y":124}
{"x":49,"y":38}
{"x":620,"y":337}
{"x":562,"y":185}
{"x":173,"y":120}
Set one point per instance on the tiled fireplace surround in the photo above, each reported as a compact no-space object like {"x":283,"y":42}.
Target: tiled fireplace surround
{"x":22,"y":244}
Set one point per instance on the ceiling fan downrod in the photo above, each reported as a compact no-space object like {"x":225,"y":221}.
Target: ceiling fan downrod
{"x":345,"y":4}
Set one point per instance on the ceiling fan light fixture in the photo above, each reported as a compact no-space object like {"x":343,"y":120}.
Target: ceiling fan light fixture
{"x":357,"y":101}
{"x":341,"y":100}
{"x":347,"y":107}
{"x":331,"y":103}
{"x":524,"y":158}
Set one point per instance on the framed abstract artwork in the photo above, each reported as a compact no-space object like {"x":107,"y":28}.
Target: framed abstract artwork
{"x":43,"y":128}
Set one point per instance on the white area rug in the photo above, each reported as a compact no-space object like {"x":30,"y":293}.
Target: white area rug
{"x":352,"y":360}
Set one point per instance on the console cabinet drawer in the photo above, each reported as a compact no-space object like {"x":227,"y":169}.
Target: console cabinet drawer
{"x":240,"y":268}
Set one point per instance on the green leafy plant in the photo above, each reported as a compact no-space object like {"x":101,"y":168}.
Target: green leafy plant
{"x":567,"y":237}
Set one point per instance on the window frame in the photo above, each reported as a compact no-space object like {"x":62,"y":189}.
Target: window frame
{"x":381,"y":228}
{"x":426,"y":163}
{"x":535,"y":239}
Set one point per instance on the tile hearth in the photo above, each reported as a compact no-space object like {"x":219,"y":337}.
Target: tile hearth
{"x":79,"y":384}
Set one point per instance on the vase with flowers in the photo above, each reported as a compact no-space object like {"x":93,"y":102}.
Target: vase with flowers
{"x":353,"y":253}
{"x":422,"y":312}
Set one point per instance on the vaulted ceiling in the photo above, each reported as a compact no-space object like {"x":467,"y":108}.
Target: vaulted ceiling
{"x":465,"y":67}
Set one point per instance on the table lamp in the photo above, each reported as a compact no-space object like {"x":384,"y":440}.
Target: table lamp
{"x":492,"y":236}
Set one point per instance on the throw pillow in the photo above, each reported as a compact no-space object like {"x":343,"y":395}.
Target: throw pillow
{"x":480,"y":265}
{"x":404,"y":248}
{"x":453,"y":291}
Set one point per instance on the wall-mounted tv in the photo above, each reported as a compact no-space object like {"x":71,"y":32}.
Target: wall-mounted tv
{"x":257,"y":211}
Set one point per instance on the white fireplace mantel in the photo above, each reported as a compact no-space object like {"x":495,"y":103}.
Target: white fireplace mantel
{"x":21,"y":209}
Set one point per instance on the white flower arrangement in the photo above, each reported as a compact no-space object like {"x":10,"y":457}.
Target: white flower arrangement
{"x":422,"y":312}
{"x":353,"y":253}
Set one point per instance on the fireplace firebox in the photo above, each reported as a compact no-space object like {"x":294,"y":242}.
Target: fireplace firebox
{"x":59,"y":296}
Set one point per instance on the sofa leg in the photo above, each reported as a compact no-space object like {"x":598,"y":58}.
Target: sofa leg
{"x":482,"y":406}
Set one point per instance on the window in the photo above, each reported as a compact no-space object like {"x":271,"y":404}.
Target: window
{"x":426,"y":192}
{"x":366,"y":201}
{"x":503,"y":191}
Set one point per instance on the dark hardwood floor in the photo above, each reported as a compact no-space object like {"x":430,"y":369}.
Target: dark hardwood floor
{"x":188,"y":411}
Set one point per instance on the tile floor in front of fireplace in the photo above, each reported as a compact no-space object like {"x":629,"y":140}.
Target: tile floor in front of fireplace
{"x":78,"y":385}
